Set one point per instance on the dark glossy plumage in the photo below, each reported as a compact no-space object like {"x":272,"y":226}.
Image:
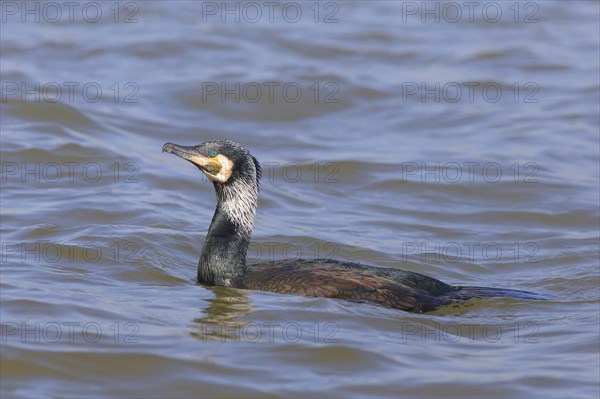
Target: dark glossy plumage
{"x":350,"y":281}
{"x":393,"y":288}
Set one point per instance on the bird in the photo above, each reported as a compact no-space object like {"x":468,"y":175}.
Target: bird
{"x":236,"y":174}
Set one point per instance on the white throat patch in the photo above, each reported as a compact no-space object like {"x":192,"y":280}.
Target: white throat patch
{"x":238,"y":201}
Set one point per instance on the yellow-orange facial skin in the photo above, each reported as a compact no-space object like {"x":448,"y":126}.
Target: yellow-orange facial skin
{"x":210,"y":166}
{"x":219,"y":169}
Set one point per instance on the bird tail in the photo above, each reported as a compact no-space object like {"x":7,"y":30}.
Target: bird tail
{"x":464,"y":293}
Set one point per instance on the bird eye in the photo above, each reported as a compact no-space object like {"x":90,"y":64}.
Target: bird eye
{"x":213,"y":153}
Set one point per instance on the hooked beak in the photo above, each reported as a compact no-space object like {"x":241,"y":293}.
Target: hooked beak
{"x":191,"y":154}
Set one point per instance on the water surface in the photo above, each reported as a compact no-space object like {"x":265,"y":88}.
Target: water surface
{"x":466,"y":149}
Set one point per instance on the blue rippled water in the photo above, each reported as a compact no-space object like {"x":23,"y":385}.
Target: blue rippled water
{"x":454,"y":139}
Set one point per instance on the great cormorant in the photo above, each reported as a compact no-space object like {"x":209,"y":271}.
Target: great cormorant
{"x":235,"y":174}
